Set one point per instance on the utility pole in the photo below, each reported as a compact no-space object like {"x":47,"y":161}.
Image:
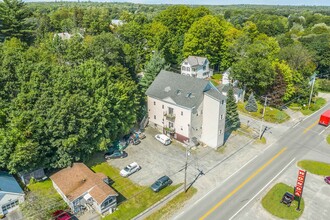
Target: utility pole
{"x":310,"y":96}
{"x":187,"y":154}
{"x":262,"y":117}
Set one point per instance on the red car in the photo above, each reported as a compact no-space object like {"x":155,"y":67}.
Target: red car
{"x":327,"y":179}
{"x":61,"y":215}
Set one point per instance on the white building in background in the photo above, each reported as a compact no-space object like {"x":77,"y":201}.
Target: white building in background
{"x":198,"y":67}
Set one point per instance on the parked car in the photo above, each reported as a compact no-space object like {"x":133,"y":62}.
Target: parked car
{"x":161,"y":183}
{"x":327,"y":179}
{"x":116,"y":154}
{"x":140,"y":134}
{"x":130,"y":169}
{"x":61,"y":215}
{"x":135,"y":141}
{"x":162,"y":138}
{"x":287,"y":198}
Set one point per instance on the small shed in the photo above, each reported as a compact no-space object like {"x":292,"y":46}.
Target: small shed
{"x":38,"y":175}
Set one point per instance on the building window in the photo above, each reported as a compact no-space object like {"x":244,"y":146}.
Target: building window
{"x":170,"y":124}
{"x":222,"y":102}
{"x":221,"y":117}
{"x":188,"y":69}
{"x":184,"y":68}
{"x":220,"y":132}
{"x":162,"y":106}
{"x":154,"y":116}
{"x":181,"y":113}
{"x":154,"y":103}
{"x":170,"y":111}
{"x":204,"y":67}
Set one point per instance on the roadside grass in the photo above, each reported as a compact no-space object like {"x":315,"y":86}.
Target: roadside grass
{"x":271,"y":202}
{"x":133,"y":198}
{"x":260,"y":141}
{"x":328,"y":139}
{"x":317,"y":103}
{"x":315,"y":167}
{"x":272,"y":115}
{"x":221,"y":149}
{"x":173,"y":205}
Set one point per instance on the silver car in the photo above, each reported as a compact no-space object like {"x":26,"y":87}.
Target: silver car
{"x":130,"y":169}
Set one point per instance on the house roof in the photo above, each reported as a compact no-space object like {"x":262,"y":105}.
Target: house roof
{"x":195,"y":60}
{"x":225,"y":87}
{"x":178,"y":89}
{"x":9,"y":184}
{"x":76,"y":180}
{"x":216,"y":94}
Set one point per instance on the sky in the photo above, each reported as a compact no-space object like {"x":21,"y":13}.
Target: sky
{"x":213,"y":2}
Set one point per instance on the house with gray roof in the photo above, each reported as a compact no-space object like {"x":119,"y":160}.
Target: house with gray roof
{"x":187,"y":109}
{"x":197,"y":67}
{"x":11,"y":194}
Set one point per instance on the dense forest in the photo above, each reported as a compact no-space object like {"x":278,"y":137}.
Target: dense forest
{"x":62,"y":99}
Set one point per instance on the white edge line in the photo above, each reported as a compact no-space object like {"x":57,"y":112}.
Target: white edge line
{"x":323,"y":130}
{"x":219,"y":185}
{"x":325,"y":106}
{"x":262,"y":189}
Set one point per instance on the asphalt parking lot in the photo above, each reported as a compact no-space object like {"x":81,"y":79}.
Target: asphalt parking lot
{"x":157,"y":160}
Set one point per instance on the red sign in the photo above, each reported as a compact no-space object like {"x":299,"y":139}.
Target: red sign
{"x":300,"y":182}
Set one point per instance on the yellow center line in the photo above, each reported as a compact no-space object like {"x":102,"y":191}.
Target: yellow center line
{"x":241,"y":185}
{"x":311,"y":126}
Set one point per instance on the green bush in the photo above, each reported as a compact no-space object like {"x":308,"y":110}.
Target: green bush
{"x":323,"y":85}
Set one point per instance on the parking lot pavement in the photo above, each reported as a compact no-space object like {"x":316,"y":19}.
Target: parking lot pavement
{"x":154,"y":158}
{"x":157,"y":160}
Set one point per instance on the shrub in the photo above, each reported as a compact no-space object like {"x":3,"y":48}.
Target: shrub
{"x":324,"y":85}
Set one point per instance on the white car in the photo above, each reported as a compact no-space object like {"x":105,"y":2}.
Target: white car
{"x":130,"y":169}
{"x":163,"y":139}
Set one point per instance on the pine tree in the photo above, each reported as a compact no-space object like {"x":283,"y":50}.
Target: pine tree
{"x":13,"y":15}
{"x":251,"y":105}
{"x":232,"y":118}
{"x":152,"y":68}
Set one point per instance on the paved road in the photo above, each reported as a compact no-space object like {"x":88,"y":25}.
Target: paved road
{"x":236,"y":193}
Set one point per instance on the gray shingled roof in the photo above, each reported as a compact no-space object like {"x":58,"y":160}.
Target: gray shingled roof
{"x":183,"y":90}
{"x":216,"y":94}
{"x":195,"y":60}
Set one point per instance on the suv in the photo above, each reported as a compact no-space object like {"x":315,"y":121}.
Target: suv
{"x":161,"y":183}
{"x":287,"y":198}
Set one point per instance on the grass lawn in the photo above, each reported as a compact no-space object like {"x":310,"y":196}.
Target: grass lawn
{"x":216,"y":78}
{"x":271,"y":114}
{"x":173,"y":205}
{"x":315,"y":167}
{"x":133,"y":199}
{"x":316,"y":105}
{"x":271,"y":202}
{"x":328,"y":139}
{"x":48,"y":195}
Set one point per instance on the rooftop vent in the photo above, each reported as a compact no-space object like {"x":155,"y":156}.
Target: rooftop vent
{"x":189,"y":95}
{"x":178,"y":92}
{"x":167,"y":89}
